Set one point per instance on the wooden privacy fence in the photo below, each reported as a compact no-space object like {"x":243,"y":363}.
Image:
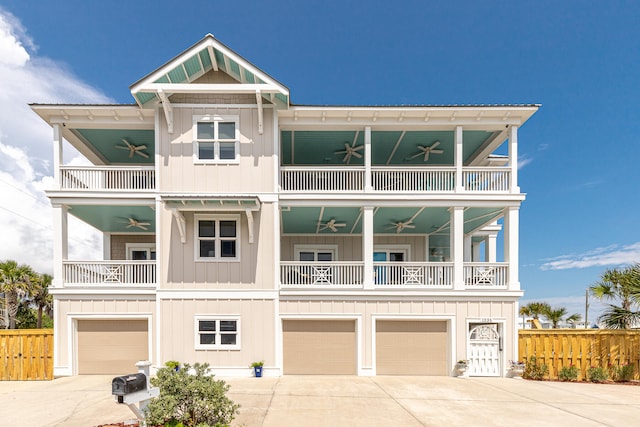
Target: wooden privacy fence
{"x":26,"y":354}
{"x":582,"y":348}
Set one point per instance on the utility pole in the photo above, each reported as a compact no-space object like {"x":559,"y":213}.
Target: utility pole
{"x":586,"y":309}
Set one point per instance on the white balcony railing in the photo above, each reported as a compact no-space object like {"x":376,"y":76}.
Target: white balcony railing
{"x":420,"y":274}
{"x":321,"y":179}
{"x":334,"y":274}
{"x":481,"y":275}
{"x":107,"y":178}
{"x":131,"y":273}
{"x":486,"y":179}
{"x":436,"y":179}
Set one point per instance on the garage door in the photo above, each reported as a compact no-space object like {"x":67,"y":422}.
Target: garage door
{"x":326,"y":347}
{"x":411,"y":347}
{"x":111,"y":346}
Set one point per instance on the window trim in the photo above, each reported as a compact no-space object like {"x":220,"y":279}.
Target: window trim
{"x":217,"y":318}
{"x":217,"y":218}
{"x":315,"y":248}
{"x":216,"y":119}
{"x":150,"y":247}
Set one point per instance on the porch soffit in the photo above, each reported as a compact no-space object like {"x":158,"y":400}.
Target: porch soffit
{"x":178,"y":75}
{"x":211,"y":203}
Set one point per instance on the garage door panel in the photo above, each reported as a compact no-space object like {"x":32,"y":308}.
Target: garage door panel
{"x":111,"y":346}
{"x":319,"y":347}
{"x":411,"y":348}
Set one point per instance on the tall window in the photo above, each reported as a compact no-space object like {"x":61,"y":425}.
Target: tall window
{"x":217,"y":332}
{"x":217,"y":139}
{"x":217,"y":237}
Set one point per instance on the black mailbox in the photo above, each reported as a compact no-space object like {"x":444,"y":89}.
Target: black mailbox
{"x":127,"y":384}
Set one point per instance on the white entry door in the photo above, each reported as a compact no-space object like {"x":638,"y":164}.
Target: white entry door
{"x":484,"y":350}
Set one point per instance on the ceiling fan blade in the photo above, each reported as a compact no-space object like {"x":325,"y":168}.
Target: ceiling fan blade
{"x":145,"y":155}
{"x":437,"y":151}
{"x":131,"y":153}
{"x":121,"y":147}
{"x":347,"y":157}
{"x":333,"y":228}
{"x":127,"y":143}
{"x":409,"y":226}
{"x":358,"y":155}
{"x":435,"y":144}
{"x":414,"y":156}
{"x":140,"y":147}
{"x":358,"y":148}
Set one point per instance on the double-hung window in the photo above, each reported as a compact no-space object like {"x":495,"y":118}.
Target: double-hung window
{"x":217,"y":237}
{"x":217,"y":332}
{"x":217,"y":139}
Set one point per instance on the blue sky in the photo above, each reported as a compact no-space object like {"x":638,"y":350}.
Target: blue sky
{"x":580,"y":60}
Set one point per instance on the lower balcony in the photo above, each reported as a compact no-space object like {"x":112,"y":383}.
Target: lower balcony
{"x":390,"y":275}
{"x":110,"y":273}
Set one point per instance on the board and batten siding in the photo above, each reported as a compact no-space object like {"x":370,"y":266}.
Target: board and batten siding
{"x":404,"y":308}
{"x":257,"y":331}
{"x":253,"y":174}
{"x":254,"y":270}
{"x":105,"y":307}
{"x":119,"y":243}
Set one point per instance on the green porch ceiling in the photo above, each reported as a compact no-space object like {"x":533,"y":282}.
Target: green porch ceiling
{"x":387,"y":147}
{"x":115,"y":219}
{"x":104,"y":143}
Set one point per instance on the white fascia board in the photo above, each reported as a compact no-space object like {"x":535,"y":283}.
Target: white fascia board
{"x":409,"y":200}
{"x":88,"y":292}
{"x":236,"y":294}
{"x":209,"y":88}
{"x":104,"y":198}
{"x":416,"y":295}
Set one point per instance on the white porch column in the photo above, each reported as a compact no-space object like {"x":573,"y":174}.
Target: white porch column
{"x":457,"y":246}
{"x":513,"y":158}
{"x":475,"y":252}
{"x":57,"y":154}
{"x":511,"y":231}
{"x":367,"y":245}
{"x":367,"y":159}
{"x":60,"y":243}
{"x":490,"y":248}
{"x":467,"y":249}
{"x":457,"y":153}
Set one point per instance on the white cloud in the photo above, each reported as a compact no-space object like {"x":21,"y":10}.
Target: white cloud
{"x":524,"y":160}
{"x":26,"y":150}
{"x":613,"y":255}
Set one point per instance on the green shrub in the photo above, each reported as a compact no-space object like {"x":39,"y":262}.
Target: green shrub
{"x":597,"y":374}
{"x":533,"y":371}
{"x":190,"y":399}
{"x":622,"y":373}
{"x":568,"y":373}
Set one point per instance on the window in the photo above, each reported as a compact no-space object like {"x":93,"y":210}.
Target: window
{"x":216,"y":139}
{"x":315,"y":253}
{"x":217,"y":238}
{"x":217,"y":332}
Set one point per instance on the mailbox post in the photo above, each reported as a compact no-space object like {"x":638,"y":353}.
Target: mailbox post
{"x":135,"y":390}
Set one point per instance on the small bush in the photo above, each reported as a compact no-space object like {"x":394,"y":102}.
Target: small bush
{"x":190,"y":399}
{"x":622,"y":373}
{"x":568,"y":373}
{"x":597,"y":374}
{"x":533,"y":371}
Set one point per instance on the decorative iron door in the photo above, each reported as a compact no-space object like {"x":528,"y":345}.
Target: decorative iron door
{"x":484,"y":350}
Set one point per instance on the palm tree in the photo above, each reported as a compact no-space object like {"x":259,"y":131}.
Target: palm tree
{"x":524,"y":312}
{"x":555,"y":315}
{"x":619,"y":285}
{"x":15,"y":282}
{"x":41,"y":297}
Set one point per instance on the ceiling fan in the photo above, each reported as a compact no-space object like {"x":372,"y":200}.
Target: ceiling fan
{"x":133,"y":149}
{"x":331,"y":225}
{"x":350,"y":151}
{"x":132,"y":222}
{"x":426,"y":150}
{"x":401,"y":225}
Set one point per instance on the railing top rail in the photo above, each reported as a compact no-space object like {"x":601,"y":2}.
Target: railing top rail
{"x":321,"y":263}
{"x":485,"y":168}
{"x":321,"y":168}
{"x":486,"y":264}
{"x":413,"y":168}
{"x":109,"y":262}
{"x":98,"y":168}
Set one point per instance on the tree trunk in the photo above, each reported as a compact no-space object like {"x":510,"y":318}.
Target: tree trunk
{"x":39,"y":324}
{"x":12,"y":308}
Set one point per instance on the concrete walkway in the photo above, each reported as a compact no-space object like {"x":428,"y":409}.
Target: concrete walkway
{"x":86,"y":401}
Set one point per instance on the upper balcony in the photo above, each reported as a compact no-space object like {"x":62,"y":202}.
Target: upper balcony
{"x":107,"y":178}
{"x":395,"y":179}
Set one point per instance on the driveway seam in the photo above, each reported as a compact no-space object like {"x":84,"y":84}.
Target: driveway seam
{"x":273,"y":393}
{"x":397,"y":402}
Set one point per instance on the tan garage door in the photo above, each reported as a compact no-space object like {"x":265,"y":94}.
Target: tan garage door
{"x":326,"y":347}
{"x":411,"y":347}
{"x":111,"y":346}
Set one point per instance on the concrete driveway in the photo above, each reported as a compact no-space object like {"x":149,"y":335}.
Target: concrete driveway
{"x":86,"y":401}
